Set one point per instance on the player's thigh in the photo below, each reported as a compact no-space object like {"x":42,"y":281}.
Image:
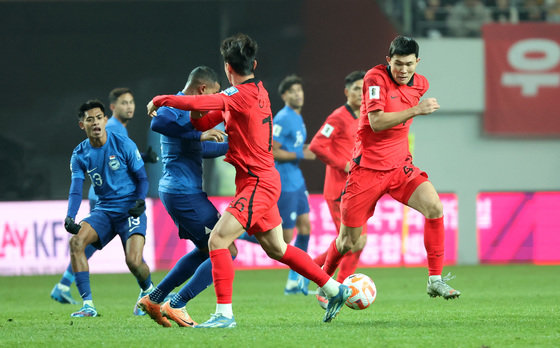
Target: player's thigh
{"x":334,"y":209}
{"x":100,"y":223}
{"x":132,"y":232}
{"x":363,"y":189}
{"x":194,"y":215}
{"x":85,"y":236}
{"x":288,"y":208}
{"x":272,"y":242}
{"x":302,"y":201}
{"x":425,"y":199}
{"x":226,"y":230}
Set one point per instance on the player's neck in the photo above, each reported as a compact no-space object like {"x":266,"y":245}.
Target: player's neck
{"x":239,"y":79}
{"x":123,"y":122}
{"x":98,"y":142}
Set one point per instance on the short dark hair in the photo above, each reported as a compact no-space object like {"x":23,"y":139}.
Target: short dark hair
{"x":117,"y":92}
{"x":288,"y":82}
{"x":89,"y":105}
{"x":240,"y":51}
{"x":403,"y":46}
{"x":353,"y":77}
{"x":202,"y":74}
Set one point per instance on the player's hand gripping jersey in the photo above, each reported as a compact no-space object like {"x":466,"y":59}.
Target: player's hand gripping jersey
{"x":248,"y":122}
{"x":386,"y":149}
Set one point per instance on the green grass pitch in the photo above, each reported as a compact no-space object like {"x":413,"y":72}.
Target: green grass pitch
{"x":500,"y":306}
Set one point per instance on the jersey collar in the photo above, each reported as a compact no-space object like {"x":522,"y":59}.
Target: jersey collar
{"x":251,"y":80}
{"x":410,"y":83}
{"x":350,"y":111}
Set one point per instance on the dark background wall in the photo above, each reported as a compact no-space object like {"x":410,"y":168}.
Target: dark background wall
{"x":55,"y":55}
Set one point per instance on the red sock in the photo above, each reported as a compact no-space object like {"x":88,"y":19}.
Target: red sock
{"x":434,"y":237}
{"x":301,"y":262}
{"x":223,"y":274}
{"x":332,"y":260}
{"x":348,"y":265}
{"x":320,"y":260}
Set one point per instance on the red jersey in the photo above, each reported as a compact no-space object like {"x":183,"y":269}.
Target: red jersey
{"x":333,"y":145}
{"x":388,"y":148}
{"x":248,"y":122}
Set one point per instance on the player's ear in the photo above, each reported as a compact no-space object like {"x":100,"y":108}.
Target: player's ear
{"x":81,"y":124}
{"x":201,"y":88}
{"x":254,"y":65}
{"x":346,"y":92}
{"x":112,"y":107}
{"x":388,"y":59}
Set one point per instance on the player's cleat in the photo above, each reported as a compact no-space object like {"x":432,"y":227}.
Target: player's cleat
{"x":137,"y":310}
{"x":321,"y":298}
{"x":178,"y":315}
{"x":441,"y":288}
{"x":217,"y":321}
{"x":292,"y":291}
{"x":61,"y":293}
{"x":85,"y":311}
{"x":336,"y":302}
{"x":154,"y":311}
{"x":303,"y":285}
{"x":169,"y":297}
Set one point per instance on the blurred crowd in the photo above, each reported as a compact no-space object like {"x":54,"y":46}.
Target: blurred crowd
{"x":464,"y":18}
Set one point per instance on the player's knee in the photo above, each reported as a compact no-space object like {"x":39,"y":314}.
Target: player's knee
{"x":133,"y":262}
{"x":434,"y":210}
{"x":77,"y":244}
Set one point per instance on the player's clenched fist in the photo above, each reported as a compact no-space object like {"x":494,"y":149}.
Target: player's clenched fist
{"x":71,"y":226}
{"x":427,"y":106}
{"x":213,"y":135}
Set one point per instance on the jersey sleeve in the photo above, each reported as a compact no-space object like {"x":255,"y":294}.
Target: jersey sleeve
{"x":203,"y":102}
{"x":208,"y":121}
{"x":281,"y":129}
{"x":374,"y":92}
{"x":75,"y":167}
{"x":133,"y":156}
{"x":322,"y":141}
{"x":172,"y":123}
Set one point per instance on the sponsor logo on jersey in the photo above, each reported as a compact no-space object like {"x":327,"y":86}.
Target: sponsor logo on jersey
{"x":327,"y":130}
{"x":230,"y":91}
{"x":138,"y":155}
{"x":114,"y":163}
{"x":373,"y":92}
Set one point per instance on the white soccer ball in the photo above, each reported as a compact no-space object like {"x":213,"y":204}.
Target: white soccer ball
{"x":363,"y":291}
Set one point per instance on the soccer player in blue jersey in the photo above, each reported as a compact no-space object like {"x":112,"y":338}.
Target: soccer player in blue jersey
{"x":289,"y":149}
{"x":122,"y":105}
{"x":180,"y":190}
{"x":115,"y":167}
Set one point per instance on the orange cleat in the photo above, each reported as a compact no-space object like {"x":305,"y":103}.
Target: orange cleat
{"x":178,"y":315}
{"x":153,"y":310}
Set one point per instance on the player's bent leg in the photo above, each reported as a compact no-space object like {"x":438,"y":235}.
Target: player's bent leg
{"x":154,"y":311}
{"x":133,"y":253}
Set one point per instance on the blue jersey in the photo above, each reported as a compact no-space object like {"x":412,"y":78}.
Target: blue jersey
{"x":289,"y":130}
{"x":182,"y":151}
{"x":115,"y":126}
{"x":110,"y":169}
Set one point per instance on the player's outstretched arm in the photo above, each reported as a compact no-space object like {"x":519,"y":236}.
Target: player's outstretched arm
{"x":203,"y":102}
{"x":380,"y":120}
{"x":166,"y":123}
{"x":74,"y":201}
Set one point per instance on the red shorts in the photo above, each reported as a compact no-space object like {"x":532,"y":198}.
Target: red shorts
{"x":255,"y":201}
{"x":365,"y":186}
{"x":334,"y":208}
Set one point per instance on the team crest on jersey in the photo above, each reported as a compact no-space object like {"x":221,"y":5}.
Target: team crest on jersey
{"x":230,"y":91}
{"x":114,"y":163}
{"x":373,"y":92}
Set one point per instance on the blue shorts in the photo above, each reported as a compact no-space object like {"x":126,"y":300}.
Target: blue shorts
{"x":293,"y":204}
{"x":194,"y":215}
{"x":109,"y":224}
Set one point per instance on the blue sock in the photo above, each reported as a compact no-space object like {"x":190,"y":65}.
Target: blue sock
{"x":201,"y":279}
{"x":248,"y":238}
{"x":68,"y":276}
{"x":183,"y":270}
{"x":145,"y":284}
{"x":302,"y":242}
{"x":82,"y":282}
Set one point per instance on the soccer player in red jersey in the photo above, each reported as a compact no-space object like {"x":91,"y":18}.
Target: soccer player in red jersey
{"x":333,"y":145}
{"x":245,"y":109}
{"x":382,"y":162}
